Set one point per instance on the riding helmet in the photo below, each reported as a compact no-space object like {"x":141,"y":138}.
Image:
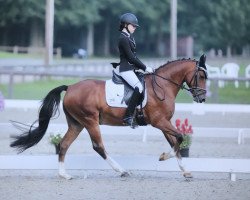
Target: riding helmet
{"x":129,"y":18}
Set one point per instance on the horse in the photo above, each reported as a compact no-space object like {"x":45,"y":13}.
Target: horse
{"x":85,"y":106}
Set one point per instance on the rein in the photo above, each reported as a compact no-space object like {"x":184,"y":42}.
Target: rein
{"x":154,"y":82}
{"x":197,"y":91}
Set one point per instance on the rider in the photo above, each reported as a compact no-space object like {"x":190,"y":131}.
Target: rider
{"x":129,"y":62}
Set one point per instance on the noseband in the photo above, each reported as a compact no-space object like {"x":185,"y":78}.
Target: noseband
{"x":195,"y":90}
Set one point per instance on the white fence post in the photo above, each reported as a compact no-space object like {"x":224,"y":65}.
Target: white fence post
{"x":241,"y":137}
{"x":232,"y":176}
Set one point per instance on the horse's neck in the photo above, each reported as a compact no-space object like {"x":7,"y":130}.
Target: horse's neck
{"x":175,"y":73}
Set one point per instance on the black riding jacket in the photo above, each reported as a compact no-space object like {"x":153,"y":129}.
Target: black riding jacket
{"x":128,"y":59}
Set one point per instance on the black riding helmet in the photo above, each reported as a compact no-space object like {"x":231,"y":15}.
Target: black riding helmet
{"x":129,"y":18}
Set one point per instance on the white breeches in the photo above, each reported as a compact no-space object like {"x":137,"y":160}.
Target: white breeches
{"x":132,"y":80}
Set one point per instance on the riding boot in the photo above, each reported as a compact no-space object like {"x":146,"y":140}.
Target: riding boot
{"x":128,"y":118}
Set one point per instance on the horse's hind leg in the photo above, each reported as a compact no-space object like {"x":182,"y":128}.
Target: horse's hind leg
{"x":74,"y":129}
{"x":94,"y":132}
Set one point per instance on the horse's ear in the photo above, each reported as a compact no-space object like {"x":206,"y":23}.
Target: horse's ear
{"x":202,"y":61}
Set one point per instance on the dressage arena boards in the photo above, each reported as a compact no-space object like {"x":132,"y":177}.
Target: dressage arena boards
{"x":149,"y":163}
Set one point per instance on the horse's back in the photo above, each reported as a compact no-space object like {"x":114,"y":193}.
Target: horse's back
{"x":85,"y":92}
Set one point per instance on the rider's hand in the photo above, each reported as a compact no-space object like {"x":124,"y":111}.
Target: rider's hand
{"x":149,"y":70}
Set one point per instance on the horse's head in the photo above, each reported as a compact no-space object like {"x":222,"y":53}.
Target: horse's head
{"x":196,"y":80}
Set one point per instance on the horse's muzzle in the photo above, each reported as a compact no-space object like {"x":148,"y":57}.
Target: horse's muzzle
{"x":200,"y":98}
{"x":199,"y":95}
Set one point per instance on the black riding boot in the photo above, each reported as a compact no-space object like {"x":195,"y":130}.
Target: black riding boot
{"x":128,"y":118}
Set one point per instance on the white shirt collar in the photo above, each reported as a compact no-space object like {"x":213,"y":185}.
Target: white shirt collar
{"x":126,"y":33}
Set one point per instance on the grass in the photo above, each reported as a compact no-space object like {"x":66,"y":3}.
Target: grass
{"x":38,"y":89}
{"x":19,"y":55}
{"x":230,"y":95}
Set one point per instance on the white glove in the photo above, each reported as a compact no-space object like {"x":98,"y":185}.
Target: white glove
{"x":149,"y":70}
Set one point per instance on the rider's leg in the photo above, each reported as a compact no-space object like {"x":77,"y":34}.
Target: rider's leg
{"x":132,"y":79}
{"x":128,"y":117}
{"x":134,"y":82}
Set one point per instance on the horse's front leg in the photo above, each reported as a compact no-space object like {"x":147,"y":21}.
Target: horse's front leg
{"x":174,"y":138}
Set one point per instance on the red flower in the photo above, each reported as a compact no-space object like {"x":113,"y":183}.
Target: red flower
{"x":183,"y":127}
{"x":190,"y":130}
{"x":177,"y":122}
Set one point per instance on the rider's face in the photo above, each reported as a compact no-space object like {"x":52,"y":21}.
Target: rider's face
{"x":131,"y":28}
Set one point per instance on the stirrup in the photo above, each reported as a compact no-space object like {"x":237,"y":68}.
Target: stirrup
{"x":130,"y":122}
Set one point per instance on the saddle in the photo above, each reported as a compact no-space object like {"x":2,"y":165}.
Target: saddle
{"x":118,"y":93}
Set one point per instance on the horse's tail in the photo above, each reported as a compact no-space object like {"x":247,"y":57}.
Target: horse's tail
{"x":48,"y":109}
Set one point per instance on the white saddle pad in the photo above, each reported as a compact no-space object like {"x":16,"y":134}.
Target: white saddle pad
{"x":114,"y":95}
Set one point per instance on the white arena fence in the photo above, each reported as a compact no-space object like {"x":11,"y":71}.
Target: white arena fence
{"x":240,"y":134}
{"x":196,"y":109}
{"x":12,"y":75}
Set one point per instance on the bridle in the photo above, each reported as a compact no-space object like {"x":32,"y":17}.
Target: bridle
{"x":195,"y":90}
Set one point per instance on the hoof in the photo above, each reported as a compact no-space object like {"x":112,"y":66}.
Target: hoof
{"x":188,"y":175}
{"x":165,"y":156}
{"x":125,"y":174}
{"x":65,"y":176}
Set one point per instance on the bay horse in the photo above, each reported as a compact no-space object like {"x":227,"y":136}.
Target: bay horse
{"x":85,"y":106}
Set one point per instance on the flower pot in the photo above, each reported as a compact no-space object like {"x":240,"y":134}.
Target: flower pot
{"x":57,"y":148}
{"x":184,"y":152}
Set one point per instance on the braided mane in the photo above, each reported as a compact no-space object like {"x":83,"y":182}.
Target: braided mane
{"x":173,"y":61}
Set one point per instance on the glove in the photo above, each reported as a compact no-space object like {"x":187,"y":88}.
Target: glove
{"x":149,"y":70}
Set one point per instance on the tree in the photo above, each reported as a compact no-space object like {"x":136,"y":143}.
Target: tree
{"x":156,"y":22}
{"x":20,"y":11}
{"x":230,"y":22}
{"x":219,"y":24}
{"x":17,"y":14}
{"x":79,"y":14}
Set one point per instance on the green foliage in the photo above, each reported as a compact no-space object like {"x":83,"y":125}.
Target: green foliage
{"x":187,"y":141}
{"x":77,"y":13}
{"x":55,"y":139}
{"x":215,"y":23}
{"x":19,"y":11}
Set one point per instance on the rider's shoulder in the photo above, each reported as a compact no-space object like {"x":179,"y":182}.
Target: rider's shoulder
{"x":123,"y":39}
